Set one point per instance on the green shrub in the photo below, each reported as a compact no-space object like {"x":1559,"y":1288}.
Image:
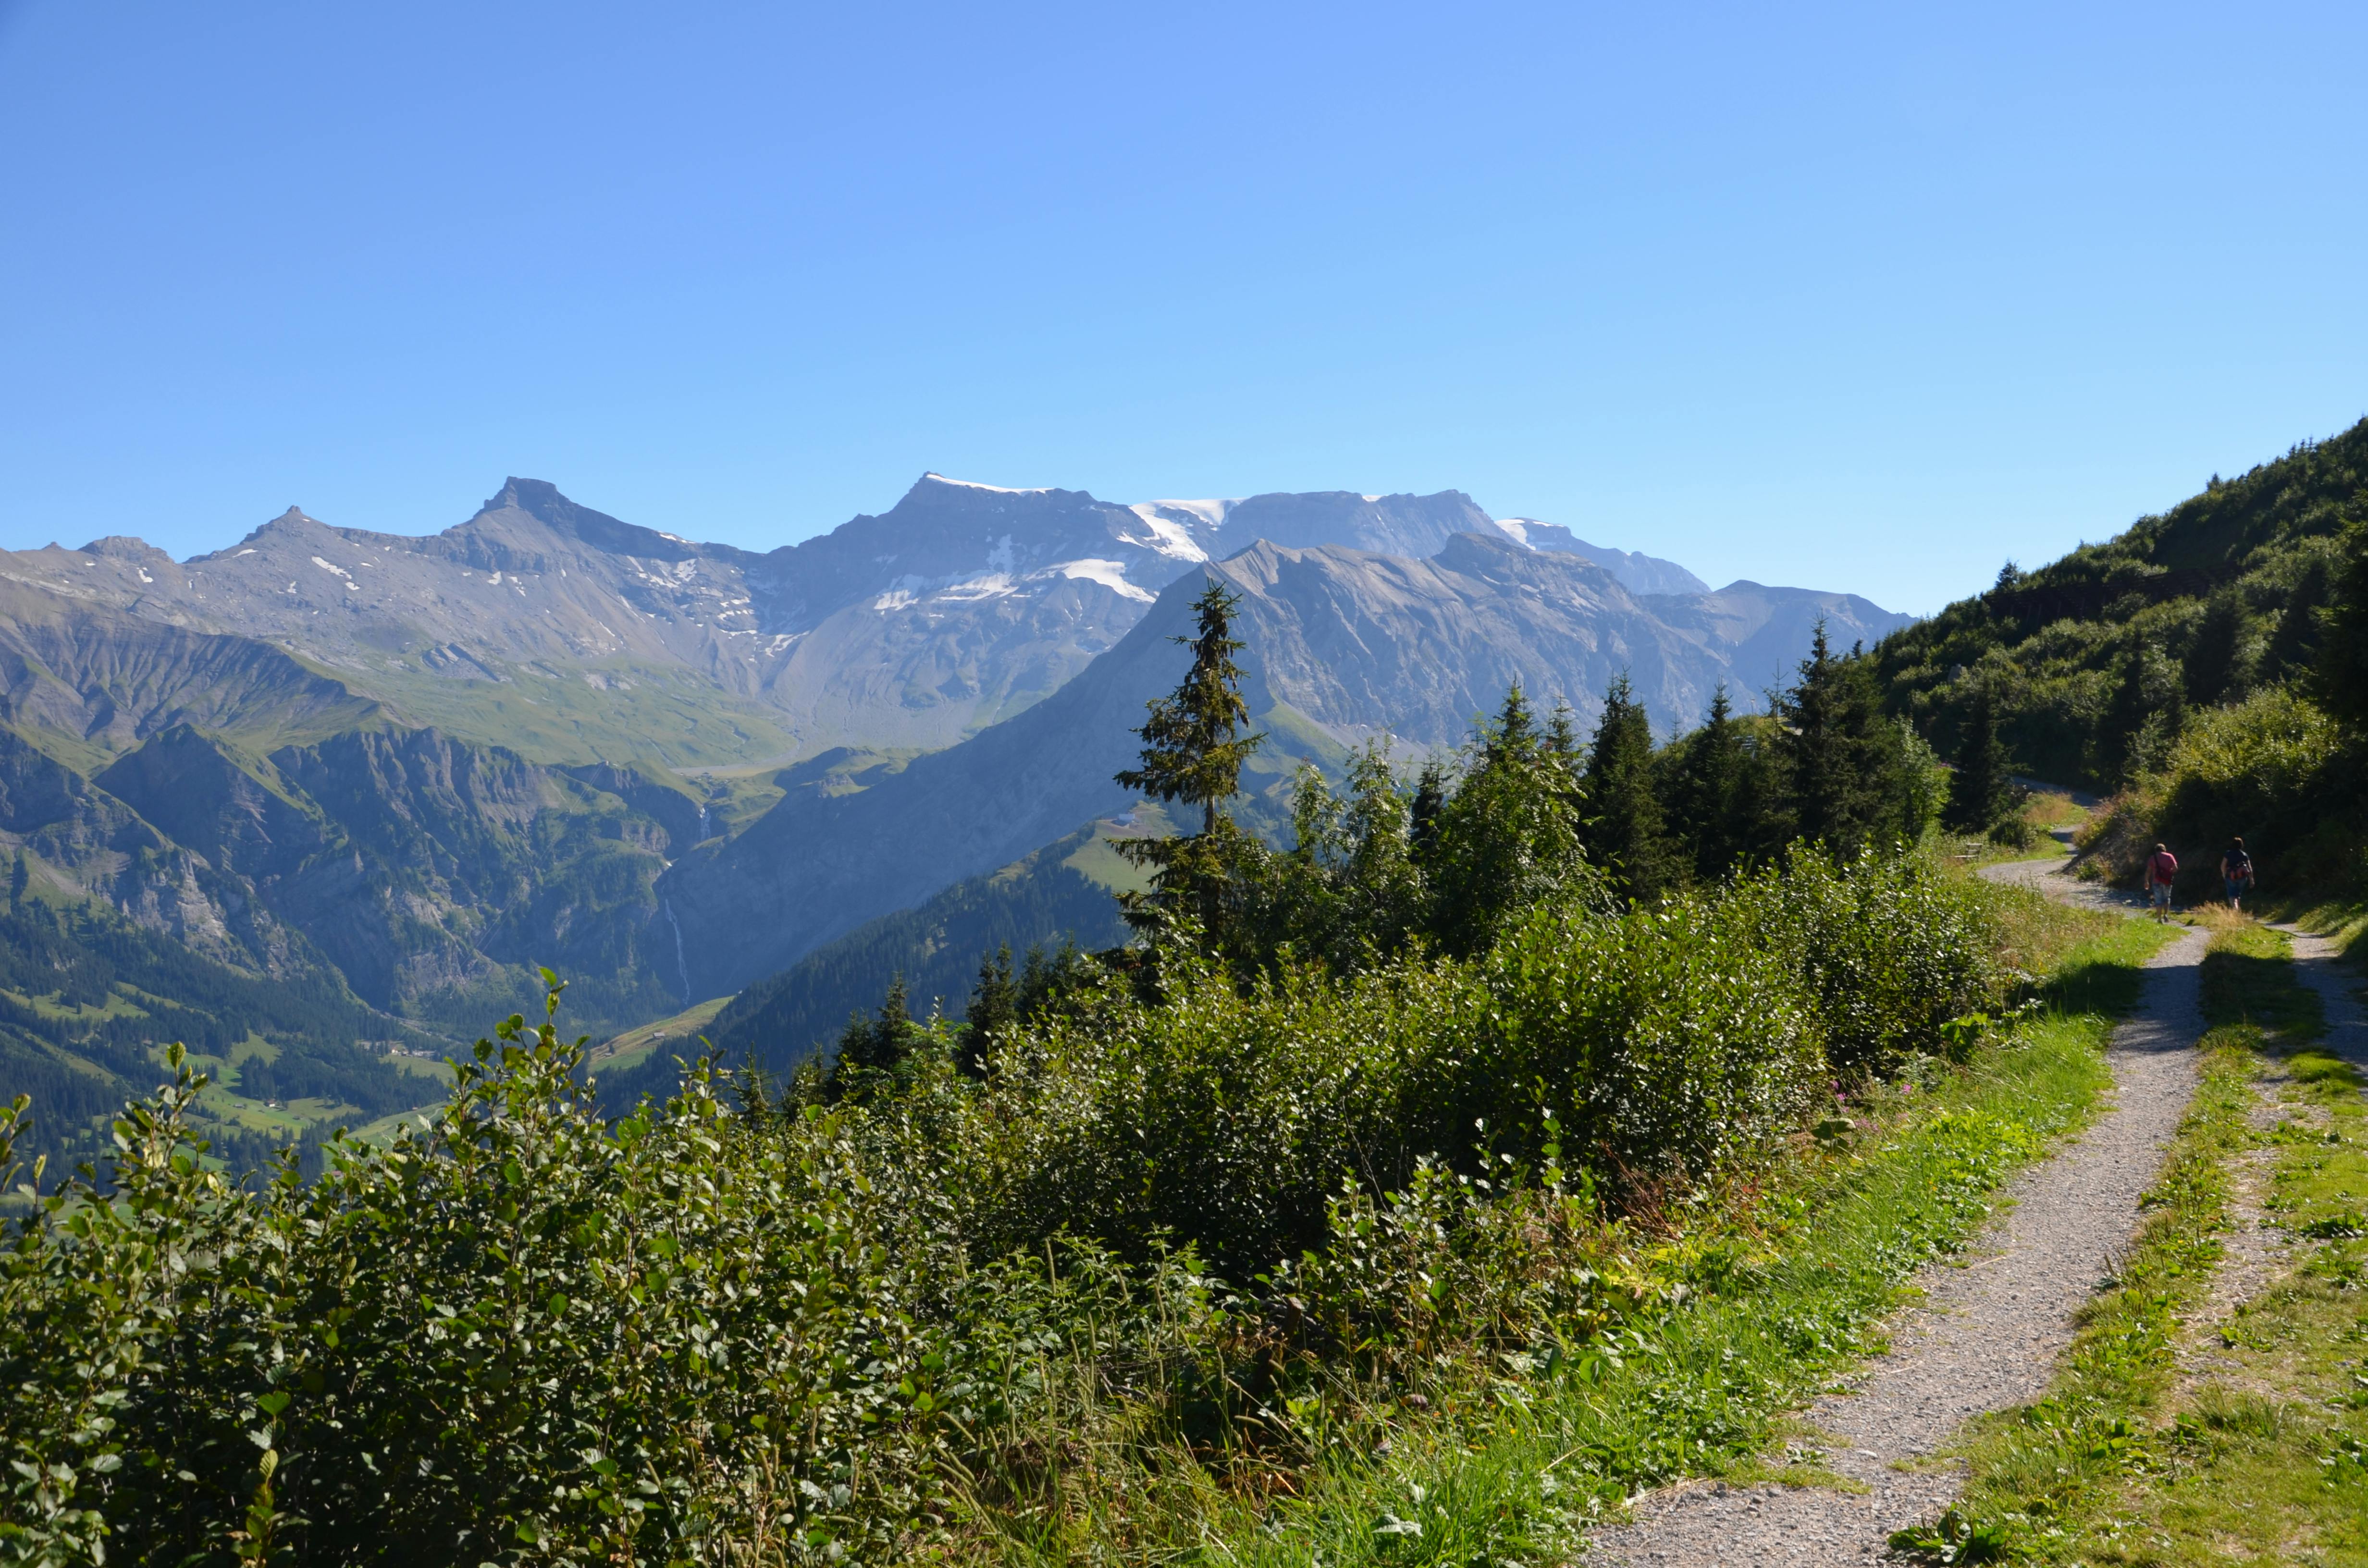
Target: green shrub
{"x":517,"y":1334}
{"x":1887,"y":950}
{"x":525,"y":1333}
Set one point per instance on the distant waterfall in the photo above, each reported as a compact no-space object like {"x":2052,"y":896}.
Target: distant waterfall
{"x":680,"y":961}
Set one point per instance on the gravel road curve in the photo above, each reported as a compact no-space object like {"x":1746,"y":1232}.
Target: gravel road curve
{"x":1985,"y":1334}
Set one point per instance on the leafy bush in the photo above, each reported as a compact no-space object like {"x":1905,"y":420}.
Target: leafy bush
{"x":1887,"y":950}
{"x":525,"y":1332}
{"x":517,"y":1334}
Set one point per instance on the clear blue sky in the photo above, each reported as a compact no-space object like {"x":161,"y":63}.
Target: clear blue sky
{"x":1865,"y":298}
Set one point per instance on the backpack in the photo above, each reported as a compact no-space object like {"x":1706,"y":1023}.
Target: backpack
{"x":2241,"y":867}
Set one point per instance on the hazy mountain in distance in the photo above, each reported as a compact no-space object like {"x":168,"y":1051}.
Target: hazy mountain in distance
{"x":575,"y":637}
{"x":1638,"y":572}
{"x":935,"y":948}
{"x":1767,"y":631}
{"x":1340,"y":644}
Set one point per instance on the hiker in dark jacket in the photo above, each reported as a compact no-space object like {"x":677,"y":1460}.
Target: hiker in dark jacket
{"x":2236,"y":872}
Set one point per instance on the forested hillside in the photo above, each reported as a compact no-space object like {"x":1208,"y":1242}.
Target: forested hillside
{"x":87,"y":1000}
{"x":2202,"y":666}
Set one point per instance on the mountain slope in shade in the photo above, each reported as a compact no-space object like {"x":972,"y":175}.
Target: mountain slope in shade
{"x":934,"y":947}
{"x":427,"y":874}
{"x":1340,"y":644}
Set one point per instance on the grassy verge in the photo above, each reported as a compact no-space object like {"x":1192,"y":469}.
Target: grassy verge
{"x":1729,"y":1320}
{"x":2173,"y":1438}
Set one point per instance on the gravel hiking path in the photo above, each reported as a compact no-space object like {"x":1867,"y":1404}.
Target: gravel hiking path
{"x":2319,"y":964}
{"x":1989,"y":1324}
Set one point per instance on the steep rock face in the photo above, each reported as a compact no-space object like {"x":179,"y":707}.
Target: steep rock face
{"x":1361,"y":642}
{"x":683,"y":821}
{"x":1767,"y":631}
{"x":1385,"y":524}
{"x":235,"y":814}
{"x":924,"y":669}
{"x":947,"y":532}
{"x":37,"y":792}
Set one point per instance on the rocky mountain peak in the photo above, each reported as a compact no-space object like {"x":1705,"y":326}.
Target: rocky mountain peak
{"x":537,"y":498}
{"x":126,"y":546}
{"x":539,"y":501}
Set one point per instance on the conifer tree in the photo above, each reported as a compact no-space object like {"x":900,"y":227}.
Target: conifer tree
{"x":1193,"y":749}
{"x":1838,"y":751}
{"x":1624,"y":828}
{"x":994,"y":1005}
{"x":872,"y":1049}
{"x":2147,"y":710}
{"x":18,"y":879}
{"x":1562,"y":733}
{"x":2218,"y":666}
{"x":1712,"y":811}
{"x":1422,"y":816}
{"x":2295,"y":642}
{"x":1981,"y":789}
{"x":1347,"y":888}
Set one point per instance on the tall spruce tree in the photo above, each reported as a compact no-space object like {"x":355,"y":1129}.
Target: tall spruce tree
{"x":2295,"y":644}
{"x":2146,"y":712}
{"x":2148,"y":708}
{"x":1422,"y":816}
{"x":1712,"y":811}
{"x":1624,"y":829}
{"x":1839,"y":752}
{"x":1981,"y":789}
{"x":871,"y":1050}
{"x":1193,"y":749}
{"x":2218,"y":666}
{"x":1348,"y":888}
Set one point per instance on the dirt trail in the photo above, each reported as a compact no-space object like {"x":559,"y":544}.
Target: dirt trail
{"x":1986,"y":1335}
{"x":2255,"y":1252}
{"x":2317,"y":965}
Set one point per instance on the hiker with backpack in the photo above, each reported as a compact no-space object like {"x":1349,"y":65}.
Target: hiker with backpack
{"x":2236,"y":872}
{"x":2161,"y":866}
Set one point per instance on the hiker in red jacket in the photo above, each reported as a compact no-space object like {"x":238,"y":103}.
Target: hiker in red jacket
{"x":2161,"y":866}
